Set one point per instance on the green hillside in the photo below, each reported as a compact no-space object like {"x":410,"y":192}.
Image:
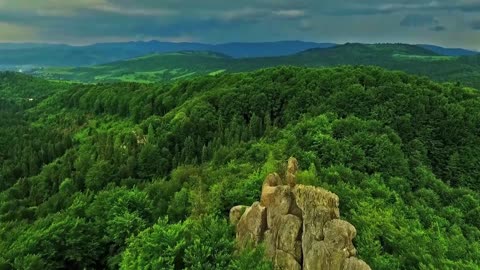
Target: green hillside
{"x":21,"y":87}
{"x":150,"y":68}
{"x":161,"y":67}
{"x":364,"y":52}
{"x":142,"y":176}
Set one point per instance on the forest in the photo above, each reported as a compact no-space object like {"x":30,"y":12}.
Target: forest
{"x":142,"y":176}
{"x":188,"y":64}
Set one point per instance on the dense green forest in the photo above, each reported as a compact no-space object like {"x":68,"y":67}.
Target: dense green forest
{"x":142,"y":176}
{"x":174,"y":66}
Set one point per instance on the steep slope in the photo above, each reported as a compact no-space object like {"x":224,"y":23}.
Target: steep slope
{"x":23,"y":146}
{"x":143,"y":176}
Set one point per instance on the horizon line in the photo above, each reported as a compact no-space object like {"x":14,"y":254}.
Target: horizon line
{"x":222,"y":43}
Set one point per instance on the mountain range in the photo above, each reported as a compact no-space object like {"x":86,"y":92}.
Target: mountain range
{"x":172,"y":66}
{"x":25,"y":54}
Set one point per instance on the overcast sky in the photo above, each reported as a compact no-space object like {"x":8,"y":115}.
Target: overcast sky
{"x":453,"y":23}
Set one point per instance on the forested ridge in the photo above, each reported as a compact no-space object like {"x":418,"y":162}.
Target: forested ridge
{"x":187,"y":64}
{"x":142,"y":176}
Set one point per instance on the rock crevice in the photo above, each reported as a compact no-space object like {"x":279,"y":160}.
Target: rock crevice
{"x":299,"y":225}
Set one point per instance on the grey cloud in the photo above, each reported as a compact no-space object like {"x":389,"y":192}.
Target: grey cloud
{"x":438,"y":28}
{"x":254,"y":15}
{"x":305,"y":25}
{"x":418,"y":20}
{"x":341,"y":7}
{"x":249,"y":20}
{"x":475,"y":25}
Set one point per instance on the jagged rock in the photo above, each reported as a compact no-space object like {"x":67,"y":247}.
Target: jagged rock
{"x":315,"y":257}
{"x":278,"y":204}
{"x":252,"y":225}
{"x":273,"y":180}
{"x":270,"y":243}
{"x":277,"y":198}
{"x":318,"y":206}
{"x":292,"y":165}
{"x":339,"y":235}
{"x":289,"y":235}
{"x":355,"y":264}
{"x":285,"y":235}
{"x":299,"y":226}
{"x":236,"y":213}
{"x":332,"y":252}
{"x":285,"y":261}
{"x":291,"y":174}
{"x":294,"y":209}
{"x":268,"y":189}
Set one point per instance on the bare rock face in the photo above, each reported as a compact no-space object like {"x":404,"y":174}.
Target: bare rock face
{"x":339,"y":235}
{"x":353,"y":263}
{"x":318,"y":207}
{"x":269,"y":188}
{"x":252,"y":225}
{"x":335,"y":249}
{"x":285,"y":261}
{"x":236,"y":213}
{"x":289,"y":234}
{"x":291,"y":175}
{"x":299,"y":226}
{"x":279,"y":205}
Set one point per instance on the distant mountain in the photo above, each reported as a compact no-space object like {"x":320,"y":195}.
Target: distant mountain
{"x":64,"y":55}
{"x":449,"y":51}
{"x":16,"y":46}
{"x":362,"y":53}
{"x":150,"y":68}
{"x":236,"y":49}
{"x":172,"y":66}
{"x":266,"y":49}
{"x":45,"y":55}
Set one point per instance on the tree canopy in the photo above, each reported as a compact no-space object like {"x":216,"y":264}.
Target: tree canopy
{"x":142,"y":176}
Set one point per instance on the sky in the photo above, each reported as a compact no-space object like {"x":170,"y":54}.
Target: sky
{"x":451,"y":23}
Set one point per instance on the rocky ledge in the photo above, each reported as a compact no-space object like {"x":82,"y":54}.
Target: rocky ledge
{"x":299,"y":225}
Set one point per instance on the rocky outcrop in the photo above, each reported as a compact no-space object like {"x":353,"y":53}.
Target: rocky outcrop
{"x":291,"y":174}
{"x":236,"y":213}
{"x":299,"y":225}
{"x":252,"y":225}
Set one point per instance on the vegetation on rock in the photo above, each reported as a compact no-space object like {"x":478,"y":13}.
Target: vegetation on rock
{"x":299,"y":225}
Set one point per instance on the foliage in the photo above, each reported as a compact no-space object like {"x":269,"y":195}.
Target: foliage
{"x":175,"y":66}
{"x":137,"y":176}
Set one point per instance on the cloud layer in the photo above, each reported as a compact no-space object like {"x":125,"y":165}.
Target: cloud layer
{"x":418,"y":20}
{"x":444,"y":22}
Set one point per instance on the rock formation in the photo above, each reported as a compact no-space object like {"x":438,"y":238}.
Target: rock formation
{"x":299,"y":225}
{"x":291,"y":175}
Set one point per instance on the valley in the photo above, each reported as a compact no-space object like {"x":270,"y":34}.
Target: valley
{"x":185,"y":64}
